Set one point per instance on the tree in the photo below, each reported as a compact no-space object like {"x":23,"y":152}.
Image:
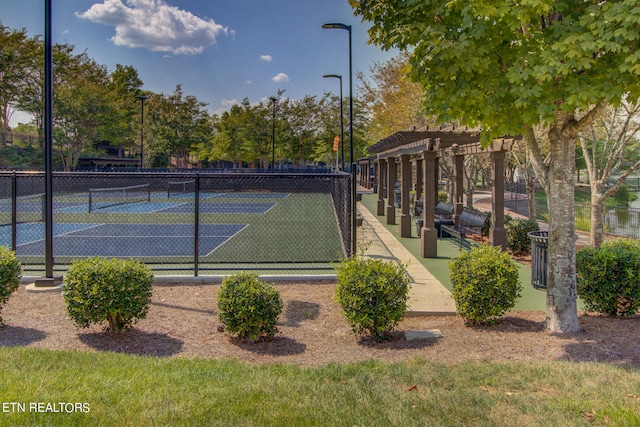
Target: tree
{"x":329,"y":127}
{"x":510,"y":66}
{"x":178,"y":124}
{"x":391,"y":98}
{"x":125,"y":84}
{"x":301,"y":120}
{"x":606,"y":144}
{"x":17,"y":53}
{"x":83,"y":109}
{"x":229,"y":141}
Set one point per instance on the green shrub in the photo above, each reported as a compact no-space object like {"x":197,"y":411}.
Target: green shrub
{"x":373,"y":295}
{"x":518,"y":241}
{"x":608,"y":279}
{"x":10,"y":273}
{"x":114,"y":290}
{"x":249,"y":308}
{"x":443,"y":197}
{"x":485,"y":284}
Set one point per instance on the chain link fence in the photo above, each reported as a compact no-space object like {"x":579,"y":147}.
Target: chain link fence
{"x":181,"y":221}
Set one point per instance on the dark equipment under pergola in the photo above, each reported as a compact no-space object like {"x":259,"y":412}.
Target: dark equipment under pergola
{"x":422,"y":149}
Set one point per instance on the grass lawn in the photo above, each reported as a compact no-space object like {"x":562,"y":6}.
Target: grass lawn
{"x":126,"y":390}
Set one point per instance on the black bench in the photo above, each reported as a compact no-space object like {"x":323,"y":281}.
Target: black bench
{"x":443,"y":210}
{"x":470,"y":222}
{"x":443,"y":215}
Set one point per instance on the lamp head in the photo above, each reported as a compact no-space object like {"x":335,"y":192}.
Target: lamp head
{"x":337,"y":25}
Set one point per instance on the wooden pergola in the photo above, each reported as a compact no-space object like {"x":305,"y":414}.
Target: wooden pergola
{"x":422,"y":149}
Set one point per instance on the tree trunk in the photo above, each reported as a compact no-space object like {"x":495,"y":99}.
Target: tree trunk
{"x":532,"y":205}
{"x":597,"y":215}
{"x":562,"y":314}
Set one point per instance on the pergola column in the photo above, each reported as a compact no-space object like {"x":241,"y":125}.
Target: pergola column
{"x":497,"y":232}
{"x":429,"y":234}
{"x":419,"y":174}
{"x":382,"y":167}
{"x":405,"y":188}
{"x":376,"y":177}
{"x":392,"y":173}
{"x":458,"y":188}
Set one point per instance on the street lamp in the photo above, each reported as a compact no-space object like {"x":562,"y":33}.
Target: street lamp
{"x":348,"y":28}
{"x":337,"y":76}
{"x":274,"y":100}
{"x":141,"y":98}
{"x":338,"y":26}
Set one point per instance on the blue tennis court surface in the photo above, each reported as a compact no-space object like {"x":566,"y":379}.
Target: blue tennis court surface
{"x":175,"y":207}
{"x":78,"y":203}
{"x":121,"y":240}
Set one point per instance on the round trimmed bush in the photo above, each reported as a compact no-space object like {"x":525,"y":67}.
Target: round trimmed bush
{"x":248,"y":307}
{"x":518,"y":240}
{"x":373,"y":295}
{"x":10,"y":273}
{"x":114,"y":290}
{"x":608,"y":278}
{"x":485,"y":284}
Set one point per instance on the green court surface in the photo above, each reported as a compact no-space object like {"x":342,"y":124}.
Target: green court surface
{"x":268,"y":229}
{"x":530,"y":299}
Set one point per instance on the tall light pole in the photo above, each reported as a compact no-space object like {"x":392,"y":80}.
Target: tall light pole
{"x":48,"y":280}
{"x":337,"y":76}
{"x":274,"y":100}
{"x":348,"y":28}
{"x":352,"y":168}
{"x":141,"y":98}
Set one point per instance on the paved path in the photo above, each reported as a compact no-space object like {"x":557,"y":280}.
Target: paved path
{"x":427,"y":296}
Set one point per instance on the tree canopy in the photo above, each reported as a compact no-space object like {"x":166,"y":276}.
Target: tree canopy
{"x":506,"y":64}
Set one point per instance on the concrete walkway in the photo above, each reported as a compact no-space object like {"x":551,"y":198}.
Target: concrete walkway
{"x":427,"y":296}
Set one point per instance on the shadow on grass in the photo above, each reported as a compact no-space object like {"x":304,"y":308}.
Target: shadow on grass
{"x":133,"y":342}
{"x":279,"y":346}
{"x":14,"y":336}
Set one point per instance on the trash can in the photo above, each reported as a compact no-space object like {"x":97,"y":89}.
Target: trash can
{"x":539,"y":243}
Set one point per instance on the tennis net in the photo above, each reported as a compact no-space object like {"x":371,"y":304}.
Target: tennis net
{"x":100,"y":198}
{"x":179,"y":188}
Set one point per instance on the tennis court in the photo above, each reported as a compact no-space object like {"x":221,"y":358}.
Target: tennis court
{"x":122,"y":240}
{"x":240,"y":219}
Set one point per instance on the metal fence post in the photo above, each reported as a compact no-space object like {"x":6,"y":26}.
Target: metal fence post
{"x":196,"y":226}
{"x":14,"y":211}
{"x":354,"y":243}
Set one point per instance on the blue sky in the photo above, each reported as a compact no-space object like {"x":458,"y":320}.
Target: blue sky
{"x":221,"y":51}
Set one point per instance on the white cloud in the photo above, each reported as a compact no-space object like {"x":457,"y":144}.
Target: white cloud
{"x":280,"y":78}
{"x":227,"y":103}
{"x":266,"y":58}
{"x":155,"y":25}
